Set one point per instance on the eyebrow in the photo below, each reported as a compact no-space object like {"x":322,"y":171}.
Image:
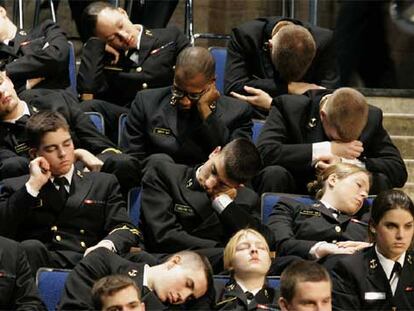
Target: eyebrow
{"x":54,"y":145}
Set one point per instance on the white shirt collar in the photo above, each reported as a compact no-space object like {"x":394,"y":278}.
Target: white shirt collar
{"x":254,"y":291}
{"x":145,"y":277}
{"x":68,"y":175}
{"x":141,"y":30}
{"x":328,"y":205}
{"x":388,"y":264}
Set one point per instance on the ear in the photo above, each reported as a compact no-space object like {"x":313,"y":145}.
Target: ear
{"x":215,"y":152}
{"x":123,"y":12}
{"x":173,"y":261}
{"x":283,"y":304}
{"x":332,"y":179}
{"x":33,"y":153}
{"x":322,"y":115}
{"x":3,"y":12}
{"x":372,"y":229}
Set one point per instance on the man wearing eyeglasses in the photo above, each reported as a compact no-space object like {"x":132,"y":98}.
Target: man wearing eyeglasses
{"x":185,"y":122}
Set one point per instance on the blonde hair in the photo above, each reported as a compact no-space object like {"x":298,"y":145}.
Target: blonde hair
{"x":341,"y":170}
{"x":231,"y":246}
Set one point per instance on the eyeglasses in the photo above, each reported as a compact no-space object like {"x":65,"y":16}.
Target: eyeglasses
{"x":179,"y":94}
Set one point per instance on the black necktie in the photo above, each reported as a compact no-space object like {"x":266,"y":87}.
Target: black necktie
{"x":61,"y":182}
{"x":249,"y":295}
{"x":395,"y":270}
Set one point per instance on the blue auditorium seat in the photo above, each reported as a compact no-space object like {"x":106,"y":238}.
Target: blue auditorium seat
{"x":98,"y":120}
{"x":134,"y":204}
{"x":51,"y":283}
{"x":220,"y":56}
{"x":257,"y":128}
{"x":72,"y":68}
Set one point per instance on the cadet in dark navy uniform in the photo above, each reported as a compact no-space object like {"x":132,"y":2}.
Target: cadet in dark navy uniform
{"x":58,"y":212}
{"x":93,"y":149}
{"x":144,"y":58}
{"x":380,"y":277}
{"x":306,"y":133}
{"x":189,"y":120}
{"x":38,"y":59}
{"x":247,"y":257}
{"x":331,"y":226}
{"x":203,"y":206}
{"x":276,"y":55}
{"x":182,"y":278}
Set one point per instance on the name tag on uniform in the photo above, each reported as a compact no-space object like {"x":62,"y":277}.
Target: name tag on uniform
{"x":310,"y":213}
{"x":374,"y":296}
{"x":21,"y":148}
{"x":183,"y":209}
{"x":161,"y":131}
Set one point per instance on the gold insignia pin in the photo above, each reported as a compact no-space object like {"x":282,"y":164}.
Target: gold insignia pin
{"x":133,"y":272}
{"x":189,"y":183}
{"x":410,"y":259}
{"x":373,"y":263}
{"x":312,"y":123}
{"x":79,"y":173}
{"x":148,"y":33}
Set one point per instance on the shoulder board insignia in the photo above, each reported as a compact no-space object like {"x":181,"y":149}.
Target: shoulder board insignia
{"x":225,"y":301}
{"x":310,"y":213}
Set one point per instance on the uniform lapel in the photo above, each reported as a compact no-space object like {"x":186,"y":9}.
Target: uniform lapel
{"x":146,"y":45}
{"x":50,"y":197}
{"x":79,"y":188}
{"x":376,"y":275}
{"x":404,"y":294}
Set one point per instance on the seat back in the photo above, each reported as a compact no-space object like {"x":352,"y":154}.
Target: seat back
{"x":257,"y":128}
{"x":121,"y":128}
{"x":97,"y":120}
{"x":72,"y":68}
{"x":51,"y":283}
{"x":220,"y":56}
{"x":134,"y":204}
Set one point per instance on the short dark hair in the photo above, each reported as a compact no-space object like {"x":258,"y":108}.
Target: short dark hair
{"x":347,"y":111}
{"x":242,"y":160}
{"x":386,"y":201}
{"x":41,"y":123}
{"x":301,"y":271}
{"x":293,"y":51}
{"x":90,"y":17}
{"x":110,"y":285}
{"x":194,"y":60}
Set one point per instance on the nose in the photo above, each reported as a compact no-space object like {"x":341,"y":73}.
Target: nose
{"x":184,"y":294}
{"x":61,"y":152}
{"x":364,"y":193}
{"x":399,"y":233}
{"x":185,"y":101}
